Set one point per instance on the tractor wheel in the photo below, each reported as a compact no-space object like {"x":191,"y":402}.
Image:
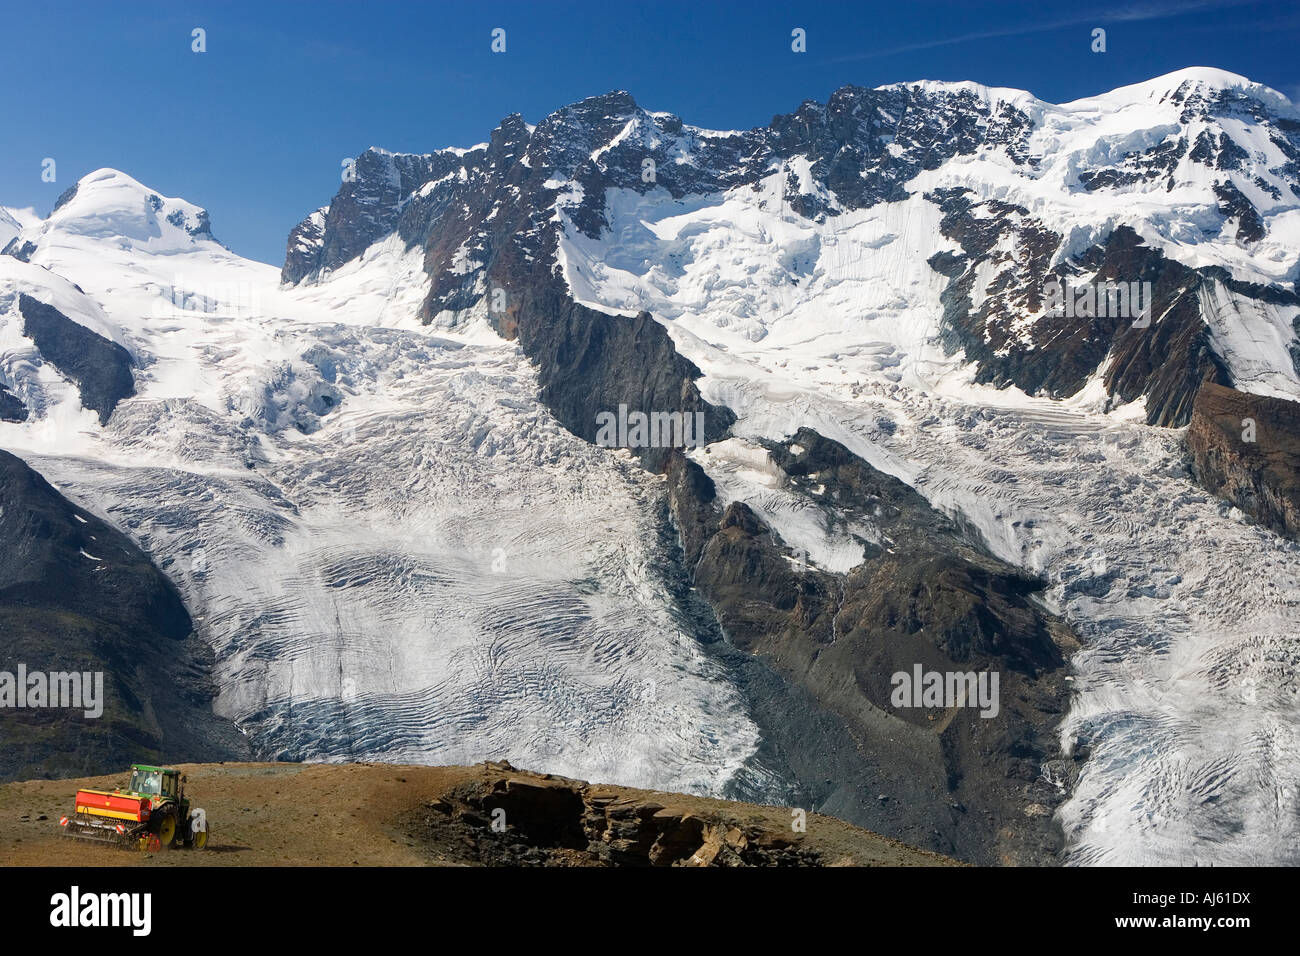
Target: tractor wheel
{"x":167,"y":830}
{"x":199,"y":840}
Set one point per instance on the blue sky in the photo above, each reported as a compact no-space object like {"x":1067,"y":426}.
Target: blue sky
{"x":255,"y":128}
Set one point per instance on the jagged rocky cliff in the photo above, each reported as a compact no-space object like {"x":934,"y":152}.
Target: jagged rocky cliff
{"x":1246,"y":448}
{"x":100,"y":369}
{"x":77,"y":596}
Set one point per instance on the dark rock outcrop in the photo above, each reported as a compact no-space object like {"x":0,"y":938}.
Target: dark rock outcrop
{"x":66,"y":197}
{"x":1246,"y":449}
{"x":1234,"y":206}
{"x":367,"y":208}
{"x":590,"y":362}
{"x":22,"y":251}
{"x":11,"y":407}
{"x":78,"y":596}
{"x":1164,"y":360}
{"x":101,"y":369}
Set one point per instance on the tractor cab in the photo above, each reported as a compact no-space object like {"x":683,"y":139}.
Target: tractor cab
{"x":154,"y":781}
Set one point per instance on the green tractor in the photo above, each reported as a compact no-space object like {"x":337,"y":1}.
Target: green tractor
{"x":152,"y":811}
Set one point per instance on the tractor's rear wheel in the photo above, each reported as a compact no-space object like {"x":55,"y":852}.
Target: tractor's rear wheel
{"x":167,"y":830}
{"x":200,"y":840}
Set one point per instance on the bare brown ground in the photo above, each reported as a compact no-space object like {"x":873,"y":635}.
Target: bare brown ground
{"x":288,"y":814}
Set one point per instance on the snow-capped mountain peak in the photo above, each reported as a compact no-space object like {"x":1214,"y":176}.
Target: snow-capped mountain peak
{"x":109,"y":204}
{"x":1190,"y":84}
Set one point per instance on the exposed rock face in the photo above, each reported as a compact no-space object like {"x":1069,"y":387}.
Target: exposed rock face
{"x":866,"y":144}
{"x":76,"y":595}
{"x":200,"y":227}
{"x":22,"y":251}
{"x":100,"y":368}
{"x":483,"y":218}
{"x":1203,"y":103}
{"x":1166,"y":361}
{"x":509,"y":817}
{"x":66,"y":197}
{"x":1260,"y":476}
{"x":11,"y":407}
{"x":1234,"y":206}
{"x":367,"y":208}
{"x":475,"y":211}
{"x":303,"y":249}
{"x":590,"y":362}
{"x":943,"y":777}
